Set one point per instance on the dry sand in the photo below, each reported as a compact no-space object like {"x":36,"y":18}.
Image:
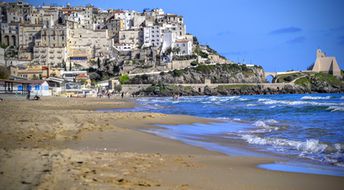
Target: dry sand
{"x":61,"y":143}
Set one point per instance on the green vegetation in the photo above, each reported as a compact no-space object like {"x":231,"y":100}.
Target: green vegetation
{"x":199,"y":52}
{"x":305,"y":81}
{"x":229,"y":68}
{"x":123,"y":79}
{"x":194,"y":63}
{"x":3,"y":46}
{"x":320,"y":77}
{"x":4,"y":72}
{"x":328,"y":78}
{"x":177,"y":73}
{"x":225,"y":87}
{"x":288,"y":77}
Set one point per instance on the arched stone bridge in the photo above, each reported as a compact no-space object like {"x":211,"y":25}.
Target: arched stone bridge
{"x":275,"y":74}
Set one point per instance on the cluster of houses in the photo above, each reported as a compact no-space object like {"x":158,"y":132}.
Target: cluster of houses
{"x":44,"y":81}
{"x":57,"y":44}
{"x":58,"y":35}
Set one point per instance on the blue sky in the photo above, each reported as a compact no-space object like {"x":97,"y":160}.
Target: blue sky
{"x":277,"y":34}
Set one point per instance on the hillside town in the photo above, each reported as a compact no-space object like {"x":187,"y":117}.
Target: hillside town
{"x":59,"y":41}
{"x":84,"y":49}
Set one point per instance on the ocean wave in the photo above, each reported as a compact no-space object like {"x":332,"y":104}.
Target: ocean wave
{"x":335,"y":108}
{"x":315,"y":97}
{"x":292,"y":103}
{"x":342,"y":98}
{"x":264,"y":126}
{"x":311,"y":148}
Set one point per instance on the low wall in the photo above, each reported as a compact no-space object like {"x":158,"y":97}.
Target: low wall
{"x":180,"y":64}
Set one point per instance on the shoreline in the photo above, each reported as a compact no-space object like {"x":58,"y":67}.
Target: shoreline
{"x":146,"y":160}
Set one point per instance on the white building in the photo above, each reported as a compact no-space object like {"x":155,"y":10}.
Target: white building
{"x":184,"y":46}
{"x":123,"y":47}
{"x":152,"y":36}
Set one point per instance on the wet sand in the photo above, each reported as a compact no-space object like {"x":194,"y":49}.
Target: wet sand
{"x":63,"y":143}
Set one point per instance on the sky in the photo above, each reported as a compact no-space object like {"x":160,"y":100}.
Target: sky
{"x":279,"y":35}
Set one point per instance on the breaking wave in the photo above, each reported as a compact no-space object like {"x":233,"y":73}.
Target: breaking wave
{"x":311,"y":148}
{"x":335,"y":108}
{"x":315,"y":98}
{"x":292,"y":103}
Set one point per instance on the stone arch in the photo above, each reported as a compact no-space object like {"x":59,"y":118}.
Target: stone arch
{"x":14,"y":40}
{"x":7,"y":40}
{"x":270,"y":77}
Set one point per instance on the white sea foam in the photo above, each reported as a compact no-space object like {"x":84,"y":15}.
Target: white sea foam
{"x":342,"y":98}
{"x":264,"y":127}
{"x":251,"y":105}
{"x":286,"y":102}
{"x":309,"y":146}
{"x":271,"y":121}
{"x":315,"y":97}
{"x":260,"y":123}
{"x":335,"y":108}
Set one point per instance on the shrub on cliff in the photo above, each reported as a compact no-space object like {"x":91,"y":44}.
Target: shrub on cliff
{"x":123,"y":79}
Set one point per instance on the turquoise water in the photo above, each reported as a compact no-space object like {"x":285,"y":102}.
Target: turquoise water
{"x":302,"y":128}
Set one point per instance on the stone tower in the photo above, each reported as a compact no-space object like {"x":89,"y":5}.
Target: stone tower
{"x":326,"y":64}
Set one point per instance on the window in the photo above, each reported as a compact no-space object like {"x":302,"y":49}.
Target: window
{"x":37,"y":87}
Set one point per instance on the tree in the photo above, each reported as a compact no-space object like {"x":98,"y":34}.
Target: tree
{"x":176,"y":50}
{"x":4,"y":72}
{"x":168,"y":51}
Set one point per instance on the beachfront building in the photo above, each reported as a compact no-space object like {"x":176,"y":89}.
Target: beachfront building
{"x":326,"y":64}
{"x":36,"y":87}
{"x":73,"y":76}
{"x":30,"y":72}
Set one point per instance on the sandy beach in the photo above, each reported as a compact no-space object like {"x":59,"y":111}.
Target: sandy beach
{"x":64,"y":143}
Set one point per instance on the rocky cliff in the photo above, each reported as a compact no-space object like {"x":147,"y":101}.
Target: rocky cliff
{"x":312,"y":83}
{"x":220,"y":73}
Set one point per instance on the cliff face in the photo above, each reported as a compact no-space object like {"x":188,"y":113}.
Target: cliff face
{"x":225,"y":73}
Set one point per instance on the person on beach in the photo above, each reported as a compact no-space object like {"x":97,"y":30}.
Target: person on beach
{"x":122,"y":95}
{"x":28,"y":94}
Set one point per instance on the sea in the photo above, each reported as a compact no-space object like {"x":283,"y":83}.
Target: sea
{"x":303,"y":132}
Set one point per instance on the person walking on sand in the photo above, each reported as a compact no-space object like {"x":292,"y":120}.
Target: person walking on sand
{"x":122,"y":95}
{"x":28,"y":94}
